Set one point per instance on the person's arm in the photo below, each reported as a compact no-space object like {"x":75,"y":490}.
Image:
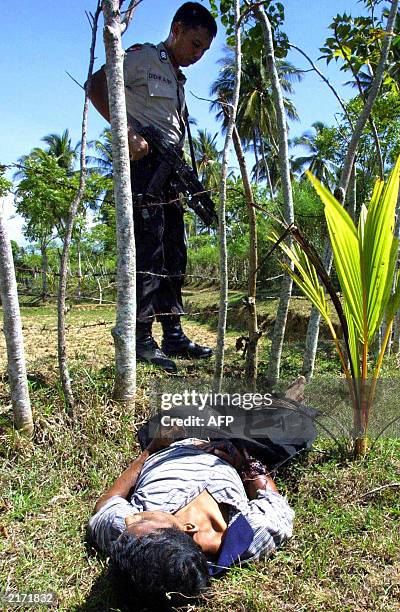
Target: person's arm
{"x":98,"y":94}
{"x":163,"y":437}
{"x":126,"y":481}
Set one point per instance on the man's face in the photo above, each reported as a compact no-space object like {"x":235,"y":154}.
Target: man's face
{"x":143,"y":523}
{"x":209,"y":538}
{"x":189,"y":45}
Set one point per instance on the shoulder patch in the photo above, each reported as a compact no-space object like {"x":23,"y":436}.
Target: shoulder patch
{"x":163,"y":55}
{"x":136,"y":47}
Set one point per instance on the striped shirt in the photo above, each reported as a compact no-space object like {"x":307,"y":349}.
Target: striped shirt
{"x":173,"y":477}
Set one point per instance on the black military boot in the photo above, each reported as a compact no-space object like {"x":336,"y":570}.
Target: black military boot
{"x":147,"y":349}
{"x":176,"y":344}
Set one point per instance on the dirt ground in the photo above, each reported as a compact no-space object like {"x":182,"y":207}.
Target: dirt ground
{"x":89,"y":340}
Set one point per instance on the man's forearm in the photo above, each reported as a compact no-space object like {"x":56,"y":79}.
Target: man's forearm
{"x":125,"y":482}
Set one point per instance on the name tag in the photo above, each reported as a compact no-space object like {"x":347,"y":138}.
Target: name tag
{"x":160,"y":85}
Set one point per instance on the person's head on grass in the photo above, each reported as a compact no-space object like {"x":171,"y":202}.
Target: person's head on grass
{"x":161,"y":562}
{"x":163,"y":552}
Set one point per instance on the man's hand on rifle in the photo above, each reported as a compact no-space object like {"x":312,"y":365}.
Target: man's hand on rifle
{"x":138,"y":146}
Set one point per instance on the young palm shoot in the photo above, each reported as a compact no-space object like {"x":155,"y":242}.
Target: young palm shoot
{"x":365,"y":260}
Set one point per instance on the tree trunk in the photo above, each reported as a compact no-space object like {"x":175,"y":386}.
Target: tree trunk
{"x":13,"y":332}
{"x":79,"y":262}
{"x":266,"y":167}
{"x":125,"y":326}
{"x":62,"y":288}
{"x":340,"y":192}
{"x":352,"y":196}
{"x":252,"y":324}
{"x":43,"y":252}
{"x":257,"y":162}
{"x":223,"y":304}
{"x":284,"y":167}
{"x":100,"y":291}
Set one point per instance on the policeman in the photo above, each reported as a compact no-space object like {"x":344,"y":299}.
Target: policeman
{"x":154,"y":88}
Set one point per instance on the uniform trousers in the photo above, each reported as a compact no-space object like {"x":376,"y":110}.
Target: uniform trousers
{"x":161,"y":251}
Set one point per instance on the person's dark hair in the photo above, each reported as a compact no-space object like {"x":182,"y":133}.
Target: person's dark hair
{"x":163,"y":561}
{"x":194,"y":15}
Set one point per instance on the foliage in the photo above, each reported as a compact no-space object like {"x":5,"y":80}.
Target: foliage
{"x":5,"y":185}
{"x":322,"y":147}
{"x":45,"y":193}
{"x":203,"y":249}
{"x":309,"y":213}
{"x":254,"y":41}
{"x":365,"y":260}
{"x":61,"y":148}
{"x":356,"y":41}
{"x":208,"y":159}
{"x":256,"y":115}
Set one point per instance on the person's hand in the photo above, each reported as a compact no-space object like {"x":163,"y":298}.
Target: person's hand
{"x":138,"y":146}
{"x":164,"y":436}
{"x":263,"y":482}
{"x":224,"y":450}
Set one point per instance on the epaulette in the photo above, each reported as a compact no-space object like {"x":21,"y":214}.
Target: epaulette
{"x":139,"y":46}
{"x":135,"y":48}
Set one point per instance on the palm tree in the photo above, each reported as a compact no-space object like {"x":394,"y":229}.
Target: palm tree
{"x":208,"y":159}
{"x":61,"y":148}
{"x":256,"y":118}
{"x":267,"y":166}
{"x":322,"y":148}
{"x":102,"y":161}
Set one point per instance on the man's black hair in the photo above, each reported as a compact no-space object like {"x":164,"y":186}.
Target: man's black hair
{"x":163,"y":561}
{"x":194,"y":15}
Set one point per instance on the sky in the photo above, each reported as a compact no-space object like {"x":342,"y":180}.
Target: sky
{"x":43,"y":39}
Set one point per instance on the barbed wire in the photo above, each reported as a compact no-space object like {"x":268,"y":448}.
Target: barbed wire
{"x":39,"y":272}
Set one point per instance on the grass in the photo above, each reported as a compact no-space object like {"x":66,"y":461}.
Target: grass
{"x":345,"y":553}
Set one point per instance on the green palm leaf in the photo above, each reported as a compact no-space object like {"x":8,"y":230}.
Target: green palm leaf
{"x":380,"y":249}
{"x":345,"y":246}
{"x":305,"y":276}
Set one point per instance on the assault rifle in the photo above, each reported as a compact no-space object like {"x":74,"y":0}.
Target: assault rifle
{"x":174,"y":169}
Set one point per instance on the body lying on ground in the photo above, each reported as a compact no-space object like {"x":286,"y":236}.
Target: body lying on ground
{"x":185,"y":511}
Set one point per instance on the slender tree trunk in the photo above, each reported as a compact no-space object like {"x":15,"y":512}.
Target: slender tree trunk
{"x":79,"y":262}
{"x":43,"y":252}
{"x":257,"y":162}
{"x":125,"y":326}
{"x":223,"y":305}
{"x":62,"y":288}
{"x":284,"y":166}
{"x":266,"y":167}
{"x":352,"y":195}
{"x":100,"y":291}
{"x":13,"y":332}
{"x":340,"y":192}
{"x":252,"y":324}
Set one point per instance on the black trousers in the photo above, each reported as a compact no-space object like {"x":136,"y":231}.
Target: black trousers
{"x":161,"y":252}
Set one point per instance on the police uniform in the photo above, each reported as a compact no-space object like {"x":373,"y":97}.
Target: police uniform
{"x":155,"y":96}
